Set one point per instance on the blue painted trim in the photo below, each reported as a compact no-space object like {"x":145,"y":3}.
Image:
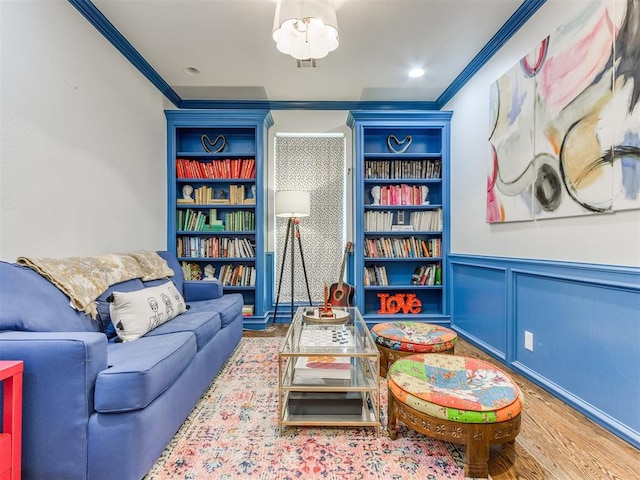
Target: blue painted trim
{"x":308,"y":105}
{"x":106,"y":28}
{"x":255,"y":322}
{"x":622,"y":431}
{"x":109,"y":31}
{"x":232,"y":117}
{"x":502,"y":36}
{"x":612,"y":288}
{"x":498,"y":263}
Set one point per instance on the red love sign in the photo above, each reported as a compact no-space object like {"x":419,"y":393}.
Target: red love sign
{"x":407,"y":302}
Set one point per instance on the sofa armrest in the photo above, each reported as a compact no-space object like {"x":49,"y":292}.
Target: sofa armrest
{"x":202,"y":290}
{"x":60,"y":371}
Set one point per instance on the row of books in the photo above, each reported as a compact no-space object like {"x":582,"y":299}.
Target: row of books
{"x":427,"y":275}
{"x":237,"y":275}
{"x":378,"y":221}
{"x":426,"y":220}
{"x":205,"y":195}
{"x":402,"y":194}
{"x":402,"y":169}
{"x":215,"y":247}
{"x":223,"y":168}
{"x":422,"y":275}
{"x":409,"y":247}
{"x":191,"y":270}
{"x":239,"y":221}
{"x":247,"y":310}
{"x":201,"y":221}
{"x":375,"y":275}
{"x":198,"y":220}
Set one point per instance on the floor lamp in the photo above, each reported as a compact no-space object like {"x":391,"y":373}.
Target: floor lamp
{"x":292,"y":204}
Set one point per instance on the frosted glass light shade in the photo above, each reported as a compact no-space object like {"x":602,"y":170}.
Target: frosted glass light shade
{"x":305,"y":29}
{"x":293,"y":203}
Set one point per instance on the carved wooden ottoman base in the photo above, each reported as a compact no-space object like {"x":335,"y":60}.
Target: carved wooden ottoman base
{"x":455,"y":399}
{"x":477,"y":437}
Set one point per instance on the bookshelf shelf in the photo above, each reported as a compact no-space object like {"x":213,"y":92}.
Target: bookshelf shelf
{"x":218,"y":259}
{"x":402,"y":212}
{"x":216,"y":199}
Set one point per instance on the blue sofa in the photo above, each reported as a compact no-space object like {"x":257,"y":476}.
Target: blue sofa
{"x":95,"y":408}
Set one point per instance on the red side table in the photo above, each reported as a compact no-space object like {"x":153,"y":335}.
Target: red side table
{"x":11,"y":434}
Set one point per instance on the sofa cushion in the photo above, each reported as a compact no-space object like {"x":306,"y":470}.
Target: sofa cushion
{"x":104,"y":317}
{"x":140,"y":371}
{"x":32,"y":303}
{"x":229,"y":306}
{"x":135,"y":313}
{"x":204,"y":326}
{"x":153,"y":266}
{"x":172,"y":261}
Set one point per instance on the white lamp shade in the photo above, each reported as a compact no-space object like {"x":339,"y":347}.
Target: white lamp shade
{"x":293,"y":203}
{"x":305,"y":29}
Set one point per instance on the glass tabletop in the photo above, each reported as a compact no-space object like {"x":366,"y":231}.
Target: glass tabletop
{"x":346,"y":334}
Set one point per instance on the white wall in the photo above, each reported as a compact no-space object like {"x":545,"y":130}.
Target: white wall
{"x":82,"y":150}
{"x":602,"y":239}
{"x":83,"y":162}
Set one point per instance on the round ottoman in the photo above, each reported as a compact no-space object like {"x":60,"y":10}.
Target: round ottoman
{"x":455,"y":399}
{"x":398,"y":339}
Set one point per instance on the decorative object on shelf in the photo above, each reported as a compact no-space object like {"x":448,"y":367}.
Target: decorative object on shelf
{"x":305,"y":29}
{"x":424,"y":192}
{"x":399,"y":146}
{"x":209,"y":272}
{"x":292,"y":204}
{"x":187,"y":191}
{"x":375,"y":194}
{"x":392,"y":304}
{"x":216,"y":146}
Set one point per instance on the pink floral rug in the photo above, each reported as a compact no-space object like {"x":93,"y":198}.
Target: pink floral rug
{"x":233,"y":433}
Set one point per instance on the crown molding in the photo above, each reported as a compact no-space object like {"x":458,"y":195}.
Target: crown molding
{"x":502,"y":36}
{"x":109,"y":31}
{"x":309,"y":104}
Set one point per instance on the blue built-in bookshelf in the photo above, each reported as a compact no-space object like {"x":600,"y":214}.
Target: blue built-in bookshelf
{"x":401,"y":234}
{"x":216,"y":196}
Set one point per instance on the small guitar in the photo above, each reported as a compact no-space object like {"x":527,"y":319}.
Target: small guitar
{"x":341,"y":293}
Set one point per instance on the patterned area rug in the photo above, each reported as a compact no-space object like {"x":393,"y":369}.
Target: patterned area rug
{"x":233,"y":433}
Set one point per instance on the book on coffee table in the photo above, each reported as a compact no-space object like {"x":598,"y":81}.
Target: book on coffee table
{"x":326,"y":366}
{"x":325,"y":403}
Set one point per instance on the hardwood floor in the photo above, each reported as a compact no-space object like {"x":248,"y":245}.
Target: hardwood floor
{"x":555,"y":443}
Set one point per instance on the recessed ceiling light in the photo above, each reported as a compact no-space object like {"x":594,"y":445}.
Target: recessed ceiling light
{"x":416,"y":72}
{"x":191,"y":71}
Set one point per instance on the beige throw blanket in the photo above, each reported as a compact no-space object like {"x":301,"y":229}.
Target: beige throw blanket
{"x":83,"y":279}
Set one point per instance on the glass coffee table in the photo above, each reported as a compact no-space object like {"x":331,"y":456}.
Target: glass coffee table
{"x":328,"y":372}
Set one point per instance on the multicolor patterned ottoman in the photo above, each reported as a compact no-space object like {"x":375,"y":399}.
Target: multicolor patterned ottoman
{"x":456,"y":399}
{"x":399,"y":339}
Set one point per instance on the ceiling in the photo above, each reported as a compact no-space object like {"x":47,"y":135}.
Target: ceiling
{"x":230,"y":43}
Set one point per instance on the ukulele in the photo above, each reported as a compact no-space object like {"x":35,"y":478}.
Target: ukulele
{"x":341,"y":293}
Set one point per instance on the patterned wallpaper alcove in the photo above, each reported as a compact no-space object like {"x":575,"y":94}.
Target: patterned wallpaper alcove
{"x":315,"y":164}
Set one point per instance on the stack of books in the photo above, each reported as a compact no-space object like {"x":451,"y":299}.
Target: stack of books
{"x":326,"y":367}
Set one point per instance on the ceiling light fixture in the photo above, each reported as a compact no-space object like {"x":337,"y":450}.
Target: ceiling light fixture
{"x":416,"y":72}
{"x":305,"y":29}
